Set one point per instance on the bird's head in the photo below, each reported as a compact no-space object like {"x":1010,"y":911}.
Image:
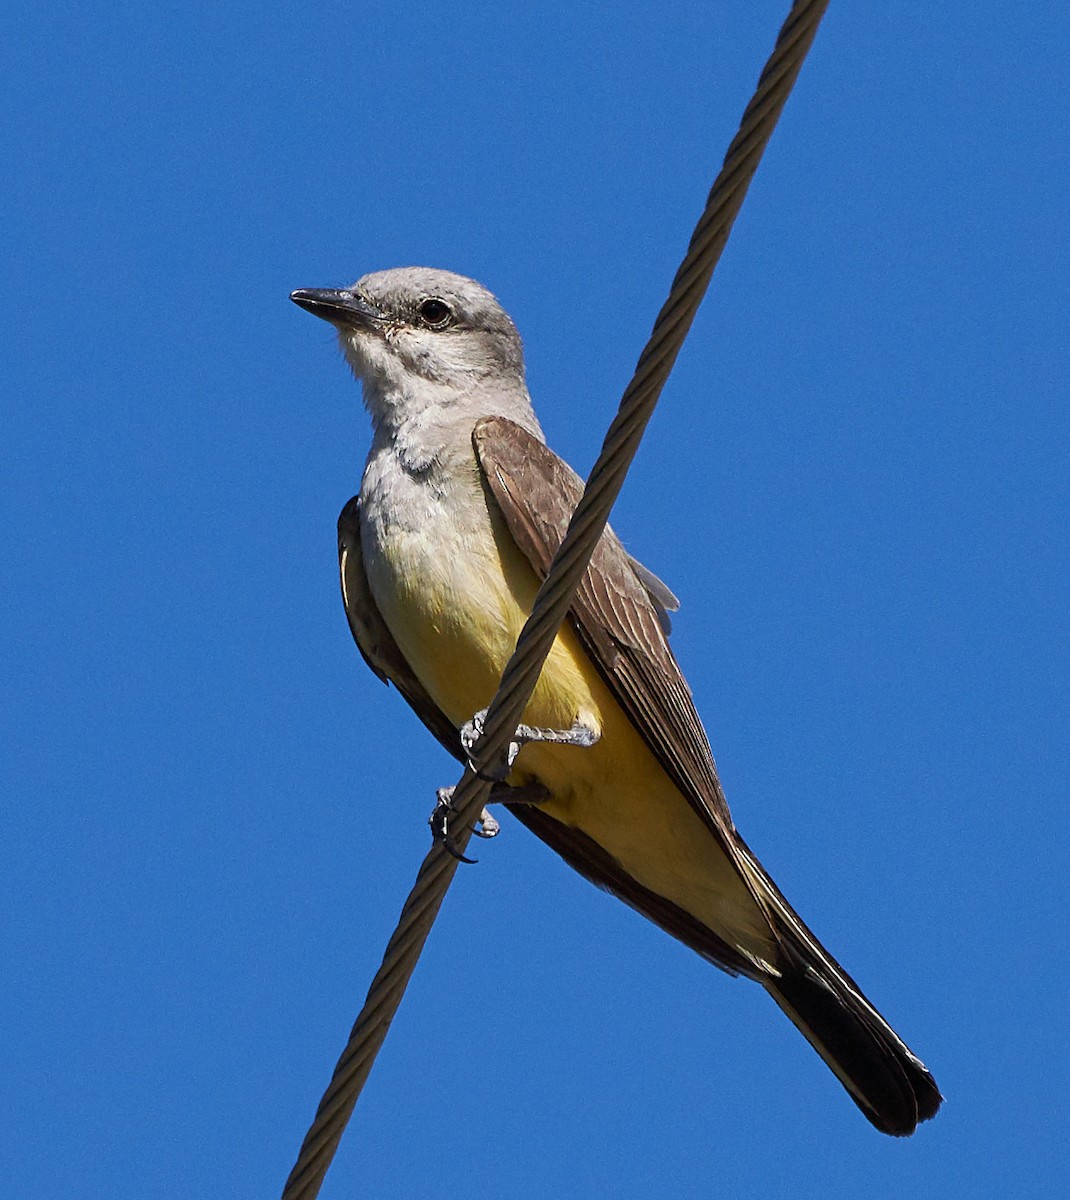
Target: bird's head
{"x":414,"y":324}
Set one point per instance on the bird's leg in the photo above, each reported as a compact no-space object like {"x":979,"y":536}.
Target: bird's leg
{"x":471,"y":731}
{"x":501,"y":793}
{"x":487,"y":826}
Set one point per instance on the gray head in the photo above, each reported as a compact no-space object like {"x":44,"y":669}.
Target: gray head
{"x":424,"y":323}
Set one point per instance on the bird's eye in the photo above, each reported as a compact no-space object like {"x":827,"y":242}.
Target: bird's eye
{"x":435,"y":313}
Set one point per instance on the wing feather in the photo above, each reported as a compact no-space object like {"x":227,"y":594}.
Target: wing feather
{"x":617,"y":616}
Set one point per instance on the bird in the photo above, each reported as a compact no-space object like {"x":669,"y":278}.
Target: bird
{"x":461,"y":507}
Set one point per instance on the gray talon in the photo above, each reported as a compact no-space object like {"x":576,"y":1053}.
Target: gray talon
{"x":440,"y":814}
{"x":472,"y":731}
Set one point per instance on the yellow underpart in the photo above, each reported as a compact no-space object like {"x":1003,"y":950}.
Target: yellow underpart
{"x":455,"y":612}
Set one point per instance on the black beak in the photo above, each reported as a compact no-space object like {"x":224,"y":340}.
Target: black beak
{"x":337,"y":306}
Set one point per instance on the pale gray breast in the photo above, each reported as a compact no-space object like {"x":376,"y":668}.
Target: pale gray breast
{"x":424,"y":532}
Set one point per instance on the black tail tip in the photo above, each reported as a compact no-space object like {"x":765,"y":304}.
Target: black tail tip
{"x":890,"y":1085}
{"x":918,"y":1101}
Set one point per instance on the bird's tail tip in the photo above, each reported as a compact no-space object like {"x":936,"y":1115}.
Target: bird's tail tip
{"x":889,"y":1083}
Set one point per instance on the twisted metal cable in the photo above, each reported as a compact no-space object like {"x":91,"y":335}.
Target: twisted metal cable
{"x":554,"y":597}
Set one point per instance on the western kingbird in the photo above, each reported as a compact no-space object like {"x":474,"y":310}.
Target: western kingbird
{"x":460,"y":510}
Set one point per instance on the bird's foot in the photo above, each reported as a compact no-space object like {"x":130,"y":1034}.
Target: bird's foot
{"x":579,"y":735}
{"x":439,"y":820}
{"x":486,"y":826}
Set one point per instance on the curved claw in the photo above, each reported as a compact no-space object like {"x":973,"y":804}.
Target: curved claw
{"x":439,"y":822}
{"x":452,"y":849}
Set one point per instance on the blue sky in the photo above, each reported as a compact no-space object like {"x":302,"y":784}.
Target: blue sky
{"x":856,"y":482}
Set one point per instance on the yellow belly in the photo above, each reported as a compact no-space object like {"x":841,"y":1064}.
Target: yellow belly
{"x":456,"y":617}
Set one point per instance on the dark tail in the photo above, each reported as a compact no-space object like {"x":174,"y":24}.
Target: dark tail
{"x":887,"y":1082}
{"x":891,"y":1087}
{"x":884,"y":1078}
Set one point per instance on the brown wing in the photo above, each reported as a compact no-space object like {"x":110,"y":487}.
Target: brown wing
{"x":617,"y":618}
